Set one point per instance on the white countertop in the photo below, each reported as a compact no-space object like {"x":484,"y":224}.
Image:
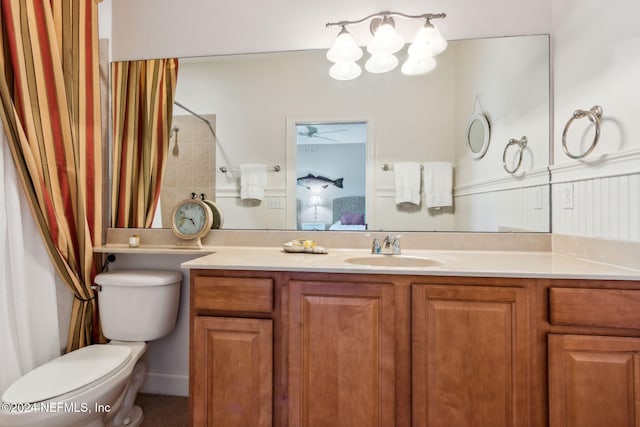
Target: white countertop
{"x":450,"y":263}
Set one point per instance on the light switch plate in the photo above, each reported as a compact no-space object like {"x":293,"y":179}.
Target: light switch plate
{"x":566,"y":196}
{"x":275,"y":204}
{"x":537,"y":198}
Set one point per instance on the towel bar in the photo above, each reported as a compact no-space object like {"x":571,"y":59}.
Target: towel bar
{"x":224,"y":169}
{"x":388,"y":167}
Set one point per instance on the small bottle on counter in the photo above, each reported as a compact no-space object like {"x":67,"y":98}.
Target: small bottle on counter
{"x":134,"y":241}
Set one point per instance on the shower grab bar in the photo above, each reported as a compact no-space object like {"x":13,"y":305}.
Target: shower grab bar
{"x":198,"y":116}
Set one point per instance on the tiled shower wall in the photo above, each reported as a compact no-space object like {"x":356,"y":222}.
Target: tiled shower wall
{"x":190,"y":163}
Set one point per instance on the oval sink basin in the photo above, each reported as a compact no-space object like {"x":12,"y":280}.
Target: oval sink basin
{"x":393,"y":261}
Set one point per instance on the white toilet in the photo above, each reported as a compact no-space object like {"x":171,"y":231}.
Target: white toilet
{"x":96,"y":386}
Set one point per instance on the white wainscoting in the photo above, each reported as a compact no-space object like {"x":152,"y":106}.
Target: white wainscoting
{"x":418,"y":218}
{"x":267,"y":214}
{"x":517,"y":209}
{"x":504,"y":203}
{"x":598,"y":198}
{"x":604,"y":207}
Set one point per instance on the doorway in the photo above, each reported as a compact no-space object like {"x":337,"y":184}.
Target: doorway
{"x":330,"y":167}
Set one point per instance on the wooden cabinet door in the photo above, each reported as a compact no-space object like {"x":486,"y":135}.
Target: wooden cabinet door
{"x":341,"y":354}
{"x":470,"y":356}
{"x":594,"y":381}
{"x":232,"y":372}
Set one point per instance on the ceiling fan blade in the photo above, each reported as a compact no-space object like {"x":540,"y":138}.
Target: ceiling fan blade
{"x":331,"y":131}
{"x":324,"y":137}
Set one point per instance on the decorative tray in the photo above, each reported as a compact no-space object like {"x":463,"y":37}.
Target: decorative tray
{"x":303,"y":246}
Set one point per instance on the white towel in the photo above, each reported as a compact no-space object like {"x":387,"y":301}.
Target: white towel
{"x":438,"y":184}
{"x":253,"y":180}
{"x":407,"y":182}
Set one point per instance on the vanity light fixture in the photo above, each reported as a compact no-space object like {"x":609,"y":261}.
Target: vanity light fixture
{"x":383,"y":45}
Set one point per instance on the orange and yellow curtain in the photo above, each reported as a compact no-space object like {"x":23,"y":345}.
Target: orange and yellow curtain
{"x":142,"y":99}
{"x":49,"y":89}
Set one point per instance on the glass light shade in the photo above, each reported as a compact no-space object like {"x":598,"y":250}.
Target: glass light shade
{"x":385,"y":40}
{"x":428,"y":42}
{"x":420,"y":50}
{"x":315,"y":201}
{"x":381,"y":63}
{"x":344,"y":49}
{"x":345,"y":70}
{"x":415,"y":67}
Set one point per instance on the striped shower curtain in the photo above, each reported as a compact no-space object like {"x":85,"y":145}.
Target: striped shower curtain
{"x":49,"y":90}
{"x":142,"y":99}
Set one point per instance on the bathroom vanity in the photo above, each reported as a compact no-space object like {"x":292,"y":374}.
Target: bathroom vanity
{"x":480,"y":338}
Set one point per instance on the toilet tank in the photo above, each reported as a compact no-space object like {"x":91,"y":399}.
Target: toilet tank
{"x":138,"y":305}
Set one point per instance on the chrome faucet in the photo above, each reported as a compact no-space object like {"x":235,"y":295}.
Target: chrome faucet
{"x":391,"y":245}
{"x":375,"y":246}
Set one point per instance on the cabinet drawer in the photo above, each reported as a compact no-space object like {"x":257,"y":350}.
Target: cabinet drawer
{"x":233,"y":294}
{"x":608,"y":308}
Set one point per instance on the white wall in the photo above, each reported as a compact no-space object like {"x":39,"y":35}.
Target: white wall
{"x":596,"y":58}
{"x":164,"y":28}
{"x":507,"y":84}
{"x":105,"y":21}
{"x":487,"y":197}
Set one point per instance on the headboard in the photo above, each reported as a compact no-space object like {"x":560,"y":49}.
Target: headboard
{"x":354,"y":204}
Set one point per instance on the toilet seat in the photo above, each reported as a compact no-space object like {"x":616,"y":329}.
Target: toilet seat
{"x":67,"y":373}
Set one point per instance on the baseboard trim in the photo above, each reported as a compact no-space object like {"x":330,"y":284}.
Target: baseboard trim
{"x":167,"y":384}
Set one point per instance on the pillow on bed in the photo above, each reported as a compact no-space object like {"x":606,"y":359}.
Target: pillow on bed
{"x":350,"y":218}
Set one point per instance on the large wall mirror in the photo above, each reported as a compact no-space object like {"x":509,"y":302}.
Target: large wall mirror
{"x":261,"y":104}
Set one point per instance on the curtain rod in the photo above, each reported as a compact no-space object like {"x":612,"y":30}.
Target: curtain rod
{"x":198,"y":116}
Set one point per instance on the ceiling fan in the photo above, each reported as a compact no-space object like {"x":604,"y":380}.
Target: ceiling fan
{"x":313,"y":132}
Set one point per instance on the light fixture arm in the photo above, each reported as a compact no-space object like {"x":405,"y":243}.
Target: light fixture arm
{"x":384,"y":14}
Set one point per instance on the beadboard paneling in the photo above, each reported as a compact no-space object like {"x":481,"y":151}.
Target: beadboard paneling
{"x":518,"y":209}
{"x":607,"y":207}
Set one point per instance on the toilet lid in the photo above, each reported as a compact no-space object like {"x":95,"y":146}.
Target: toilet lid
{"x":67,"y":373}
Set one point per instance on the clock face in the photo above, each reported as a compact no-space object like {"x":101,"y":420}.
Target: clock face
{"x":190,"y":219}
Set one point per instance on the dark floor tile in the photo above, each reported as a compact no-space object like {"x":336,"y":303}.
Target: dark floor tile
{"x":164,"y":411}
